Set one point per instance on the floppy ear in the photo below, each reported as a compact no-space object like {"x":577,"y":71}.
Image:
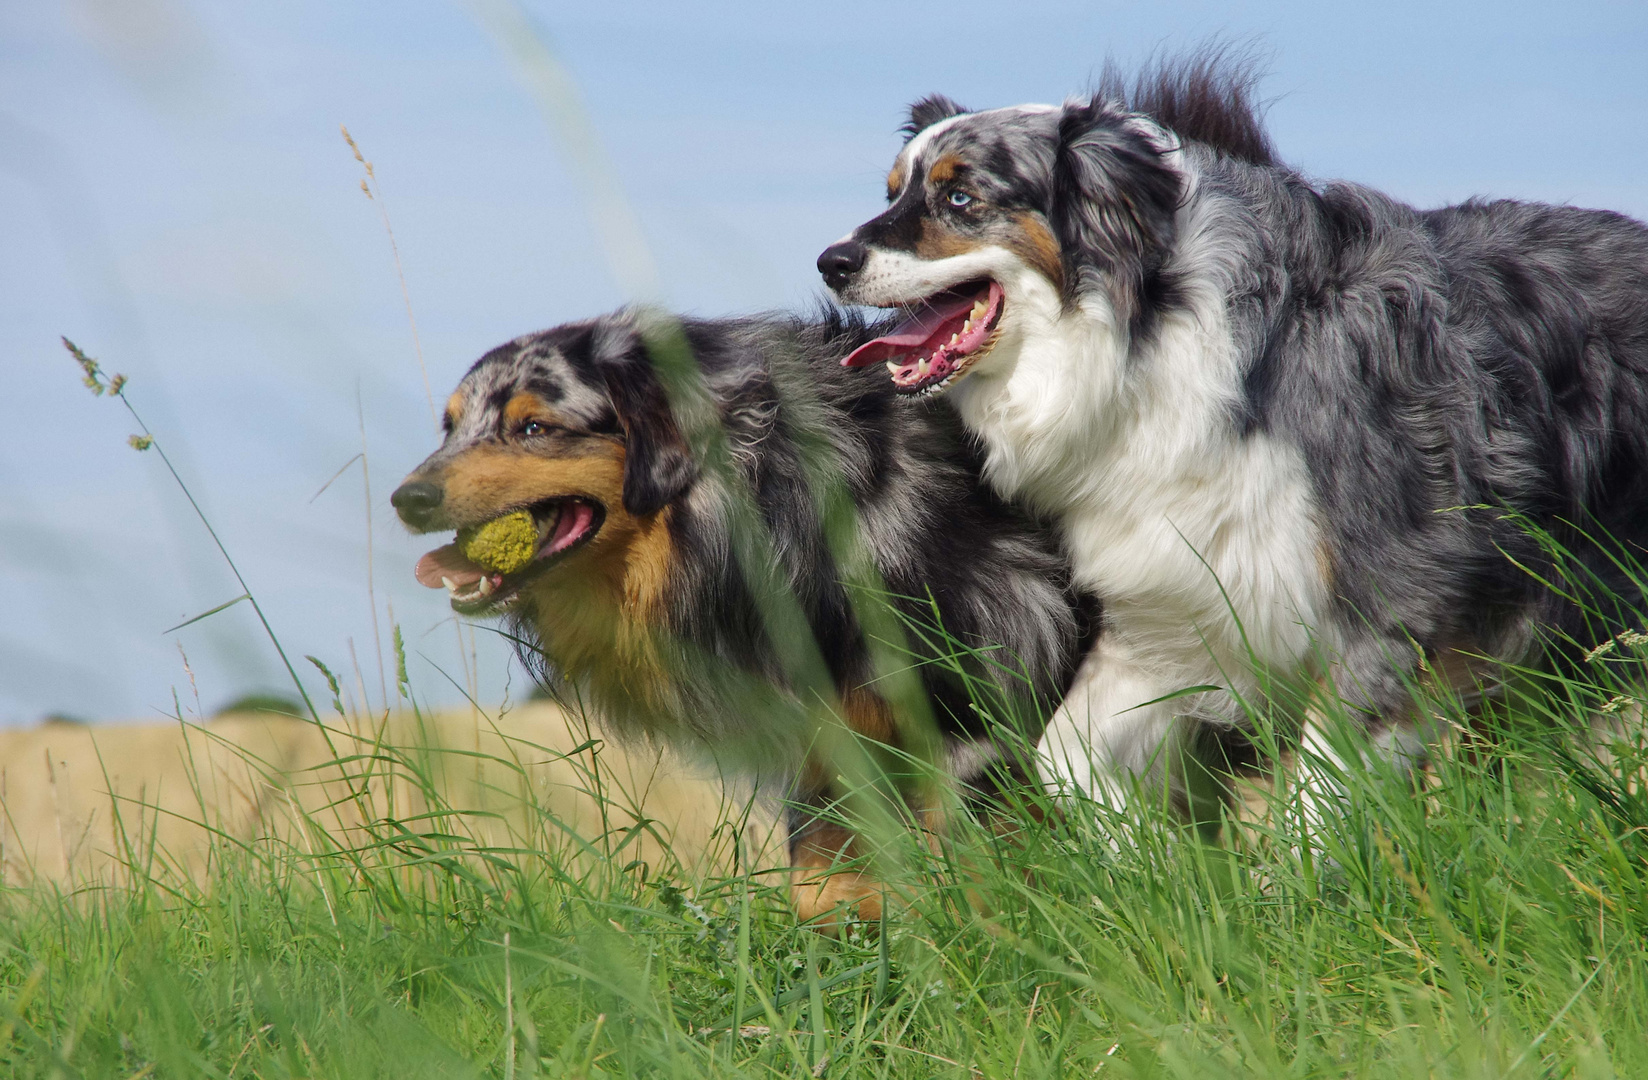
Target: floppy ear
{"x":657,"y":467}
{"x":1113,"y":203}
{"x":929,"y":111}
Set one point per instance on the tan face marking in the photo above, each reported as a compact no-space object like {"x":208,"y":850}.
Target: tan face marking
{"x":454,"y":409}
{"x":528,"y":406}
{"x":599,"y":607}
{"x":895,"y":180}
{"x":944,"y":170}
{"x":600,"y":611}
{"x":1027,"y":236}
{"x":937,"y":241}
{"x":1034,"y":242}
{"x":486,"y":480}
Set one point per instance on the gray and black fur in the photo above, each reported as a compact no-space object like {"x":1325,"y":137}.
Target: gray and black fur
{"x":1456,"y":382}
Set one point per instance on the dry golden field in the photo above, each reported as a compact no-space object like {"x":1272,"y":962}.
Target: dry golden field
{"x":81,"y":802}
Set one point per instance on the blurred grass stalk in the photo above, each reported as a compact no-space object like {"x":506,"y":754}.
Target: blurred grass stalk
{"x":872,"y":796}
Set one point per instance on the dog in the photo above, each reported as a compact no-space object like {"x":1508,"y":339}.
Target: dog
{"x":644,"y":602}
{"x":1289,"y":431}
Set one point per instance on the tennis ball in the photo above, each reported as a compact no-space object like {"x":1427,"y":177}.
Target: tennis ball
{"x":504,"y":544}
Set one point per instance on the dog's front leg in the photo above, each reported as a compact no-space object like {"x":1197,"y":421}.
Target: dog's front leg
{"x":1113,"y":734}
{"x":1385,"y":721}
{"x":1326,"y":764}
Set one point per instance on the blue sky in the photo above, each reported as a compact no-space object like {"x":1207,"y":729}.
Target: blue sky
{"x":175,"y":196}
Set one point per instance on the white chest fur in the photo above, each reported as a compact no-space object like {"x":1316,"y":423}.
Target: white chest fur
{"x":1180,"y":523}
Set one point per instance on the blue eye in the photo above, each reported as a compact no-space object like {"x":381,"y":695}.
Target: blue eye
{"x":959,"y":198}
{"x":533,"y":427}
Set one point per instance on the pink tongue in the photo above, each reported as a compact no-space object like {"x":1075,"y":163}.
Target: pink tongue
{"x":572,"y":523}
{"x":914,"y":332}
{"x":447,"y":562}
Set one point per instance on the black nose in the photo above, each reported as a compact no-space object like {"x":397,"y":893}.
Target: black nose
{"x":841,"y":261}
{"x":415,"y":500}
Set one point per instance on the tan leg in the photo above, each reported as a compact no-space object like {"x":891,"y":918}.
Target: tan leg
{"x":824,"y":896}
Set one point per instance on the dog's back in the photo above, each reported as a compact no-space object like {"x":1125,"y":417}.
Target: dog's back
{"x":839,"y":468}
{"x":1469,"y":386}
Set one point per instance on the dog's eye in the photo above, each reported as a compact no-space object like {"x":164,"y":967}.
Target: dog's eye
{"x":534,"y":427}
{"x":959,"y":198}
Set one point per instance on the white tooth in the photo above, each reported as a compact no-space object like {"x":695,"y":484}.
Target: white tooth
{"x":893,"y":367}
{"x":955,"y":337}
{"x":979,"y":308}
{"x":923,"y":369}
{"x":451,"y":586}
{"x":486,"y":586}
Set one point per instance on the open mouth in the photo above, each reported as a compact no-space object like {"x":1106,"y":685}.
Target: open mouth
{"x":940,"y":338}
{"x":564,"y":524}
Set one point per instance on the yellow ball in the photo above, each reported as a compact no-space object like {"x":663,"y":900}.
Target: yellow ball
{"x":503,"y":544}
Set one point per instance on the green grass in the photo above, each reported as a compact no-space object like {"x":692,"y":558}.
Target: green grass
{"x":1487,"y":918}
{"x":1491,"y":925}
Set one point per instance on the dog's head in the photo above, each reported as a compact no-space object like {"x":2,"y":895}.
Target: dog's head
{"x":572,"y":426}
{"x":1000,"y":220}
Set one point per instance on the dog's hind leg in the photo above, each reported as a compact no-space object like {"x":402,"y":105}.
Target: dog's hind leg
{"x":828,"y":881}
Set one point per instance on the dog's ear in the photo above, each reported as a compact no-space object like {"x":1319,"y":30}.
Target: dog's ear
{"x":658,"y":468}
{"x":929,"y":111}
{"x":1113,"y":202}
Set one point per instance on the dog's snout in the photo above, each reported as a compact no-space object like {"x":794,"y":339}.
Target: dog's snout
{"x":415,"y":500}
{"x":841,"y":261}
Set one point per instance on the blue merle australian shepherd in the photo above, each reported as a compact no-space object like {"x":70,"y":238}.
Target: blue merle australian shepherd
{"x":1285,"y":427}
{"x":637,"y":604}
